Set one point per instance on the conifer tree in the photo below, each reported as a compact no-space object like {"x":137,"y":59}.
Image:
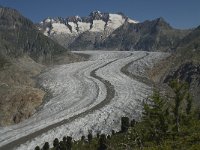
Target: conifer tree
{"x":181,"y":90}
{"x":133,"y":122}
{"x":37,"y":148}
{"x":83,"y":138}
{"x":113,"y":132}
{"x":62,"y":146}
{"x":46,"y":146}
{"x":64,"y":139}
{"x":189,"y":104}
{"x":90,"y":137}
{"x":69,"y":143}
{"x":102,"y":142}
{"x":98,"y":135}
{"x":124,"y":124}
{"x":56,"y":143}
{"x":155,"y":117}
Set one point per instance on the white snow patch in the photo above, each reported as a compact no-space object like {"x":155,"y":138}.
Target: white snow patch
{"x":115,"y":21}
{"x":132,"y":21}
{"x":47,"y":20}
{"x":60,"y":28}
{"x":83,"y":26}
{"x":46,"y":31}
{"x":73,"y":25}
{"x":98,"y":26}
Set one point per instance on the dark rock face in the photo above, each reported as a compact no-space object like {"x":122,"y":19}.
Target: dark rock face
{"x":155,"y":35}
{"x":190,"y":73}
{"x":124,"y":38}
{"x":85,"y":40}
{"x":189,"y":46}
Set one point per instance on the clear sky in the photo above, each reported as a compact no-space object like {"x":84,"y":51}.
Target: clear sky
{"x":179,"y":13}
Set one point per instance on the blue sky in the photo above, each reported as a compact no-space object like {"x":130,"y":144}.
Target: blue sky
{"x":179,"y":13}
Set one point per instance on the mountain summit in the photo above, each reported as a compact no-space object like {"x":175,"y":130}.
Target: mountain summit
{"x":97,"y":25}
{"x":111,"y":31}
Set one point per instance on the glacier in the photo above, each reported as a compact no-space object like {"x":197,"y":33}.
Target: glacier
{"x":85,"y":96}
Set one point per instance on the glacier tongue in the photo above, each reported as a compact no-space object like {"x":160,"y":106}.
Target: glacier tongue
{"x":91,"y":95}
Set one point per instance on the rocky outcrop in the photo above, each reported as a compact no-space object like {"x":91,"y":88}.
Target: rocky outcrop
{"x":19,"y":96}
{"x":189,"y":47}
{"x":190,"y":73}
{"x":18,"y":103}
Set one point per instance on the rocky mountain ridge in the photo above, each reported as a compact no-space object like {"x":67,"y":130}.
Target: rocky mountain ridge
{"x":155,"y":35}
{"x":112,"y":32}
{"x":97,"y":25}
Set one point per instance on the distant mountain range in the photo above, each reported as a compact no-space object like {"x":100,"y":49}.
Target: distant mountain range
{"x":112,"y":32}
{"x":82,"y":32}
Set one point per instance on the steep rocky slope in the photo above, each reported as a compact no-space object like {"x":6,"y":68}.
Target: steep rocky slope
{"x":189,"y":46}
{"x":23,"y":50}
{"x":19,"y":36}
{"x":190,"y":73}
{"x":184,"y":64}
{"x":155,"y":35}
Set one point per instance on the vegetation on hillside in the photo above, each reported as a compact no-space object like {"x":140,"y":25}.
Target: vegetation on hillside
{"x":168,"y":122}
{"x":189,"y":47}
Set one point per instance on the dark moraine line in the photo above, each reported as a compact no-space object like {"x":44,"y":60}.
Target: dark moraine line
{"x":109,"y":96}
{"x":138,"y":78}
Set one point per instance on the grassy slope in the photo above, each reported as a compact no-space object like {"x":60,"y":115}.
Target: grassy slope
{"x":189,"y":47}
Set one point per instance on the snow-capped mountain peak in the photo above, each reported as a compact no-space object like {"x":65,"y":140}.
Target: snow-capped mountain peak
{"x":68,"y":29}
